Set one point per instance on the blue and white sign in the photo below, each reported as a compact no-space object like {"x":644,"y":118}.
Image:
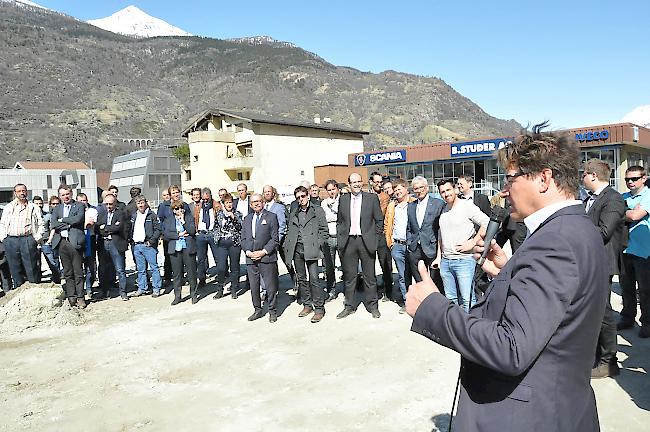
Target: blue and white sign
{"x":592,"y":136}
{"x":477,"y":148}
{"x":380,"y":158}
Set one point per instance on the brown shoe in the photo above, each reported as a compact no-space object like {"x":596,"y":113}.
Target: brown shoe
{"x":305,"y":311}
{"x":81,"y":303}
{"x":317,"y":317}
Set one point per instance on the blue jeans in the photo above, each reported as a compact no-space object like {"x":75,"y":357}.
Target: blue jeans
{"x":457,"y":277}
{"x":144,"y":255}
{"x":110,"y":252}
{"x":22,"y":256}
{"x":203,"y":240}
{"x":228,"y":252}
{"x":52,"y":258}
{"x":398,"y":252}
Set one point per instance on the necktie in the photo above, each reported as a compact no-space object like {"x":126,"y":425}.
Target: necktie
{"x":254,"y":224}
{"x":590,"y":200}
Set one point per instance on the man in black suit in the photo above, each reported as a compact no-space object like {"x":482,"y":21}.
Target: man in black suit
{"x":606,"y":209}
{"x":242,"y":203}
{"x":113,"y":226}
{"x":466,"y":191}
{"x":259,"y":241}
{"x":422,"y":228}
{"x":359,"y":226}
{"x":527,"y":346}
{"x":69,"y":239}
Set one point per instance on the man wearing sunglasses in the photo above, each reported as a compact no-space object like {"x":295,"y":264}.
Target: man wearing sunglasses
{"x":636,"y":261}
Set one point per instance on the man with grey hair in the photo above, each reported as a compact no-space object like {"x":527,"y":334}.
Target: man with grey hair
{"x":422,"y":228}
{"x":205,"y":216}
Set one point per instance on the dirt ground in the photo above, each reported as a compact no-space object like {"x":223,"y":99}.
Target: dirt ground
{"x":143,"y":365}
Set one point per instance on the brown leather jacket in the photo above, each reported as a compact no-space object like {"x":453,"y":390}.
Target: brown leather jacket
{"x":389,"y":220}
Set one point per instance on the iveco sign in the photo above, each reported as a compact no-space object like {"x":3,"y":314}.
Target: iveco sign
{"x":380,"y":158}
{"x":477,"y":148}
{"x":593,"y":136}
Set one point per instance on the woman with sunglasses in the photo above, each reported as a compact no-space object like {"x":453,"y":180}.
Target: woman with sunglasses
{"x":227,"y":234}
{"x":180,"y":231}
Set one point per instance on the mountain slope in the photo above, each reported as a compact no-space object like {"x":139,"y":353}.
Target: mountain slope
{"x":639,"y":116}
{"x":72,"y":91}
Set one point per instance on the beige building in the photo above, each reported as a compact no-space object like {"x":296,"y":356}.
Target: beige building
{"x":231,"y":147}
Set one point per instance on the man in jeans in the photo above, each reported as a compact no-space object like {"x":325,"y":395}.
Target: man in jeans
{"x":51,"y":255}
{"x":460,"y":221}
{"x":111,"y":245}
{"x":205,"y":216}
{"x":636,"y":256}
{"x":395,"y":223}
{"x":145,"y":233}
{"x":331,"y":207}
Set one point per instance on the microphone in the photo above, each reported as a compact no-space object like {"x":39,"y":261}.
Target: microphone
{"x":496,"y":218}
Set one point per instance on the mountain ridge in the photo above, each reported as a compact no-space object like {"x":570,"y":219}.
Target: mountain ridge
{"x":74,"y":92}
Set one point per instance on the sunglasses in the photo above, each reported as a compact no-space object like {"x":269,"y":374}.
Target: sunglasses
{"x":301,"y":196}
{"x":633,"y":179}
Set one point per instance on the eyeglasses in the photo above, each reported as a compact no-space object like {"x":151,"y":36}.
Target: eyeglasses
{"x":585,"y":174}
{"x":180,"y":208}
{"x":510,"y":178}
{"x":632,"y":179}
{"x":301,"y":196}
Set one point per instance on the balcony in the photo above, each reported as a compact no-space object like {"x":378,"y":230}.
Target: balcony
{"x":240,"y":162}
{"x":211,"y":136}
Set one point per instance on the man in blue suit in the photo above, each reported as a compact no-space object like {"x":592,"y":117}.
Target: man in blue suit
{"x":527,"y":346}
{"x":259,"y":241}
{"x":422,"y":229}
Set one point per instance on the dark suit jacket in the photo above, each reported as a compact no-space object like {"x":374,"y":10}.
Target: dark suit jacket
{"x":171,"y":235}
{"x":314,"y":233}
{"x":235,"y":201}
{"x":266,"y":236}
{"x":482,"y":202}
{"x":372,"y":221}
{"x":119,"y":228}
{"x":74,"y":223}
{"x":608,"y":214}
{"x":528,"y":343}
{"x":427,"y":234}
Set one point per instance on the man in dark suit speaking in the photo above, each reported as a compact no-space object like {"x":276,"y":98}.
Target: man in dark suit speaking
{"x":359,"y":225}
{"x":527,"y":346}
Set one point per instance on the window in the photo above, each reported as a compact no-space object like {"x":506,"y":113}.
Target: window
{"x":82,"y":181}
{"x":49,"y":182}
{"x":44,"y":195}
{"x":160,"y":163}
{"x":240,"y":176}
{"x":188,"y":175}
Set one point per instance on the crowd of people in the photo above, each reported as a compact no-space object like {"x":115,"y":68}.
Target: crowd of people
{"x":397,"y":223}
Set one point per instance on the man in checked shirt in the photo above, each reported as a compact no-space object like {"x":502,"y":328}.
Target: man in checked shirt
{"x":21,"y":229}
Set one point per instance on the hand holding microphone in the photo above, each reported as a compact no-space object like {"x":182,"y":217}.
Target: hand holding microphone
{"x":489,"y":255}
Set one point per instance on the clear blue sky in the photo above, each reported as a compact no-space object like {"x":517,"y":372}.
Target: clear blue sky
{"x":575,"y":63}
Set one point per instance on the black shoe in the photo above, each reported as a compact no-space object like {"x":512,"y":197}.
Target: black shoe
{"x":176,"y":301}
{"x":233,"y":295}
{"x":345,"y":312}
{"x":218,"y":295}
{"x":155,"y":295}
{"x":624,"y":324}
{"x":124,"y":297}
{"x":605,"y":370}
{"x":273,"y":317}
{"x":375,"y":313}
{"x":256,"y":315}
{"x":201,"y":283}
{"x":195,"y":299}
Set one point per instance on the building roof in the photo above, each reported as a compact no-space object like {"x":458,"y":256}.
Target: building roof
{"x":50,"y":165}
{"x":259,"y":118}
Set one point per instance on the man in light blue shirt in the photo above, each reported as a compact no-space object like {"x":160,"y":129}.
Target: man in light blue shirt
{"x":636,"y":261}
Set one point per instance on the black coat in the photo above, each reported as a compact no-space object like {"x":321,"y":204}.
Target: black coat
{"x":266,"y":236}
{"x":372,"y":221}
{"x":171,"y":235}
{"x":119,"y":228}
{"x":152,"y":228}
{"x":74,"y":223}
{"x":314,"y":233}
{"x":608,"y":214}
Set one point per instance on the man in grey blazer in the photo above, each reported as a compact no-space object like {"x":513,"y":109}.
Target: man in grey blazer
{"x":606,"y":209}
{"x":259,"y":241}
{"x":69,"y":238}
{"x":527,"y":346}
{"x":359,"y":225}
{"x":423,"y":218}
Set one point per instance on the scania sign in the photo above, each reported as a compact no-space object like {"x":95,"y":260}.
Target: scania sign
{"x":380,"y":158}
{"x":477,"y":148}
{"x":592,"y":136}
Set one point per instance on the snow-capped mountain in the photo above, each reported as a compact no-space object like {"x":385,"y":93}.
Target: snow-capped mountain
{"x":25,"y":3}
{"x":639,"y":116}
{"x":131,"y":21}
